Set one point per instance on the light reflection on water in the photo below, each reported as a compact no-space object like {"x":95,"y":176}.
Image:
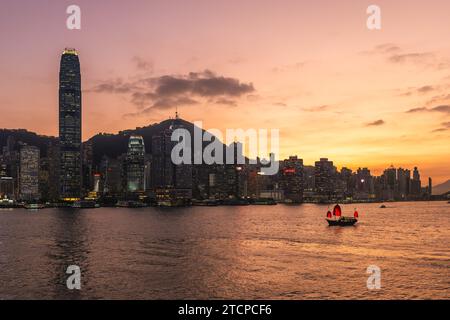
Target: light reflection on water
{"x":252,"y":252}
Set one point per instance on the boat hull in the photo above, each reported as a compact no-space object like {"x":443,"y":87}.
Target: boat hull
{"x":34,"y":206}
{"x":342,"y":222}
{"x":85,"y":205}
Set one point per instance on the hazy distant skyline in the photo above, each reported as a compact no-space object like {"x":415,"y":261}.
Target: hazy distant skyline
{"x":310,"y":68}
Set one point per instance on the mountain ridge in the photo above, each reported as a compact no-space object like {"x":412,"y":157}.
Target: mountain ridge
{"x":441,"y":188}
{"x":109,"y":144}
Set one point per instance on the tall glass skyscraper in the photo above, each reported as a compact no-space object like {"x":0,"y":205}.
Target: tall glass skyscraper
{"x":135,"y":164}
{"x":70,"y":125}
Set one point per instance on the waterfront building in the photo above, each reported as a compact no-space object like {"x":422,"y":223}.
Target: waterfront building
{"x":430,"y":186}
{"x":416,"y":185}
{"x":135,"y":165}
{"x":111,"y":176}
{"x":324,"y":175}
{"x":291,"y":179}
{"x":7,"y":188}
{"x":363,"y":185}
{"x":404,"y":182}
{"x":29,"y":173}
{"x":170,"y":181}
{"x":70,"y":126}
{"x":88,"y":166}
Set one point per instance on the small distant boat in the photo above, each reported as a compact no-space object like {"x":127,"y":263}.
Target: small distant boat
{"x":173,"y":203}
{"x":205,"y":203}
{"x":9,"y":204}
{"x":34,"y":206}
{"x":264,"y":201}
{"x":339,"y":220}
{"x":85,"y":204}
{"x":236,"y":202}
{"x":130,"y":204}
{"x":382,"y":206}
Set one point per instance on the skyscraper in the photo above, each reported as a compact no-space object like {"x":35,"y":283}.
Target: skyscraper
{"x":135,"y":164}
{"x":29,"y":173}
{"x":404,"y":182}
{"x":292,"y":179}
{"x":430,"y":186}
{"x":416,"y":184}
{"x":324,"y":178}
{"x":111,"y":170}
{"x":70,"y":125}
{"x":172,"y":182}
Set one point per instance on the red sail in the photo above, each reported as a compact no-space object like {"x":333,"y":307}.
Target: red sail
{"x":329,"y":214}
{"x":356,"y":214}
{"x":337,"y":211}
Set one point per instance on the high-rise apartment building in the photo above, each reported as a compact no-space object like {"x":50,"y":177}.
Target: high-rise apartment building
{"x":324,"y":178}
{"x":291,"y":179}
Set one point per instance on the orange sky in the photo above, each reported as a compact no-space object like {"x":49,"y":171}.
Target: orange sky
{"x":309,"y":68}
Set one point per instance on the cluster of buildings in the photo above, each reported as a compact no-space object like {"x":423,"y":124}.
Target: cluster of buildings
{"x":26,"y":174}
{"x":66,"y":171}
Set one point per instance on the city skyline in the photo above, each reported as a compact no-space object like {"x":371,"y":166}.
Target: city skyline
{"x":230,"y":158}
{"x":156,"y":179}
{"x":134,"y":139}
{"x":341,"y":91}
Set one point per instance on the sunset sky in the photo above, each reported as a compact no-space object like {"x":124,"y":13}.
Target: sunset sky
{"x":309,"y":68}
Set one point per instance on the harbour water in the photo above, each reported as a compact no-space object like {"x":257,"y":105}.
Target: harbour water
{"x":249,"y":252}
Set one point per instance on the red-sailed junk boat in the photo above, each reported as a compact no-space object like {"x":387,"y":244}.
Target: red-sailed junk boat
{"x":339,"y":220}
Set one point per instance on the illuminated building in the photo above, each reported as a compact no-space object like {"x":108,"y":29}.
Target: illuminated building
{"x":234,"y":185}
{"x":88,"y":166}
{"x":111,"y":176}
{"x":135,"y":165}
{"x":291,"y":179}
{"x":70,"y":126}
{"x":29,"y":173}
{"x":364,"y":187}
{"x":7,"y":188}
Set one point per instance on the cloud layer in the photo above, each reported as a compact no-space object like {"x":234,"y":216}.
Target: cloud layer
{"x":442,"y":109}
{"x":170,"y":91}
{"x":394,"y":54}
{"x":376,"y":123}
{"x":445,"y":126}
